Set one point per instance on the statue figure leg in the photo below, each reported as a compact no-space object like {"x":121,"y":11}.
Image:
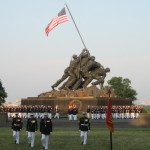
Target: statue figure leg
{"x":100,"y":81}
{"x":59,"y":81}
{"x":63,"y":86}
{"x":70,"y":82}
{"x":77,"y":84}
{"x":87,"y":81}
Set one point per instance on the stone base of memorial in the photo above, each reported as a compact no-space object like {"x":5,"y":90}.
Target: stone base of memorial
{"x":91,"y":96}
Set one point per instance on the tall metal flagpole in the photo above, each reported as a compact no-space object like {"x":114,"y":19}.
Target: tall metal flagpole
{"x":76,"y":26}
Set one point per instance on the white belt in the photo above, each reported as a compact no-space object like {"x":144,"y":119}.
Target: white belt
{"x":16,"y":124}
{"x":84,"y":124}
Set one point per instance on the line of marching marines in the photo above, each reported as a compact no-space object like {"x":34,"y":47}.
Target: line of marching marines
{"x":46,"y":128}
{"x":93,"y":112}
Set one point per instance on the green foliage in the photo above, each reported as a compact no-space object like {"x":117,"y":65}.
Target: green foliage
{"x":122,"y":87}
{"x":3,"y":94}
{"x":146,"y":109}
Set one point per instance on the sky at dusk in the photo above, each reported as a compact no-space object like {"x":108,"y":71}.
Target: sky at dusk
{"x":116,"y":32}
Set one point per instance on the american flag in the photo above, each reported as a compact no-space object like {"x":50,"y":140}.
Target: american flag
{"x":60,"y":18}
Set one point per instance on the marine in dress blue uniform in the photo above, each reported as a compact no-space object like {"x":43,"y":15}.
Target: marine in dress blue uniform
{"x":45,"y":129}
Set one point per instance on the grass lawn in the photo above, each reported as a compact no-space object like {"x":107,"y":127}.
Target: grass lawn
{"x":68,"y":139}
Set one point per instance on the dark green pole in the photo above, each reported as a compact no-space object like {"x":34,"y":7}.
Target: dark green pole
{"x":110,"y":140}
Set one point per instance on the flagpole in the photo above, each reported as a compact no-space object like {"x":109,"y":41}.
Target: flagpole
{"x":110,"y":140}
{"x":109,"y":92}
{"x":76,"y":26}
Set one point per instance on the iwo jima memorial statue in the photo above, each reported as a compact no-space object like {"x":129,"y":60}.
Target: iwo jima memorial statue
{"x":73,"y":86}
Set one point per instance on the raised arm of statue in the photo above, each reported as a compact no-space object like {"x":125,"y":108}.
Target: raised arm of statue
{"x":84,"y":52}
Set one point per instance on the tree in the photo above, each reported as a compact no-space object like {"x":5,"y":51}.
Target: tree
{"x":122,"y":87}
{"x":3,"y":94}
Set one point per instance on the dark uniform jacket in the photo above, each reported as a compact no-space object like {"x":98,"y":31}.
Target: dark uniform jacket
{"x":88,"y":110}
{"x":84,"y":124}
{"x":46,"y":126}
{"x":17,"y":124}
{"x":75,"y":111}
{"x":70,"y":111}
{"x":32,"y":125}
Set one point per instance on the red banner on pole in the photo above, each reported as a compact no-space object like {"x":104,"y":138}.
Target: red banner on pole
{"x":109,"y":121}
